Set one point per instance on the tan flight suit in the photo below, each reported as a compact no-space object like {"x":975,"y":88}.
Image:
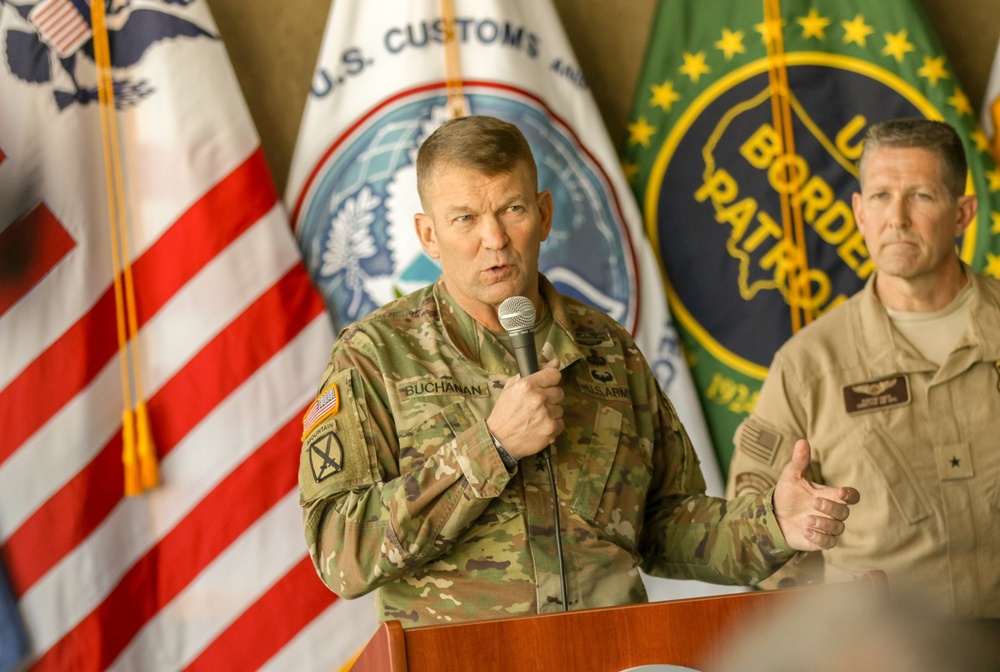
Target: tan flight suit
{"x":921,"y":443}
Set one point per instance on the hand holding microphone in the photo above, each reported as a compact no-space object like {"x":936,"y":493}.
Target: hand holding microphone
{"x":530,"y":407}
{"x":528,"y":414}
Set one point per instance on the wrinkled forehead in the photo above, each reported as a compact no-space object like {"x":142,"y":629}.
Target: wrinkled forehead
{"x":447,"y":174}
{"x":908,"y":163}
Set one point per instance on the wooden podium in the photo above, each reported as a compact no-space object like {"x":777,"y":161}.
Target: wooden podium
{"x":677,"y":632}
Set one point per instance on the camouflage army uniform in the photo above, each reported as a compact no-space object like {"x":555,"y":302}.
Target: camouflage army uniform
{"x":403,"y":490}
{"x":919,"y":441}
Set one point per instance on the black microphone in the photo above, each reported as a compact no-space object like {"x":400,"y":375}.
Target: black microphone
{"x":517,"y":317}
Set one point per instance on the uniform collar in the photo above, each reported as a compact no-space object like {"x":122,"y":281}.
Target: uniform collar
{"x":890,"y":353}
{"x":483,"y":350}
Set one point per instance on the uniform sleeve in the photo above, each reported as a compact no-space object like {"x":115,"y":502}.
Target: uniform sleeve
{"x":689,"y":535}
{"x":763,"y":446}
{"x":366,"y":523}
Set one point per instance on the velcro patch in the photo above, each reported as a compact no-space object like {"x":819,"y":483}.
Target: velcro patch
{"x":326,"y":455}
{"x":876,"y":395}
{"x":593,"y":339}
{"x":436,"y":387}
{"x":758,"y":442}
{"x":750,"y":481}
{"x":326,"y":405}
{"x":954,"y":461}
{"x":605,"y":391}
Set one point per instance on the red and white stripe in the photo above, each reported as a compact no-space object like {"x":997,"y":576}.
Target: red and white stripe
{"x":210,"y":570}
{"x":60,"y":24}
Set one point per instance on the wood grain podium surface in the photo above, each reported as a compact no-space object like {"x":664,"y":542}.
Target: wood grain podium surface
{"x":678,"y":632}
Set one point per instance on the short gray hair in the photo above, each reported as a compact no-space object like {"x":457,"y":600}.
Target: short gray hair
{"x":934,"y":136}
{"x":487,"y":144}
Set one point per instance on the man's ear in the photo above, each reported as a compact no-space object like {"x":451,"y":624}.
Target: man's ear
{"x":424,"y":225}
{"x":858,"y":214}
{"x":545,"y":208}
{"x":967,"y":206}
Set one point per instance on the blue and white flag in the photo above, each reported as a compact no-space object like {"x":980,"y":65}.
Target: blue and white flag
{"x":380,"y":88}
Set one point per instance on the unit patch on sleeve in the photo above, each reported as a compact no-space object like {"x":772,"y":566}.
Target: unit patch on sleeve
{"x":327,"y":404}
{"x":326,"y":455}
{"x":877,"y":394}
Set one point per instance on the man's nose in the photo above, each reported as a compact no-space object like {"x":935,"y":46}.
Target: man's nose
{"x":899,"y":214}
{"x":494,"y":233}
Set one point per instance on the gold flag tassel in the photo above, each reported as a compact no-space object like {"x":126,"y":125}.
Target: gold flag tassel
{"x":452,"y":63}
{"x":138,"y":450}
{"x":799,"y":291}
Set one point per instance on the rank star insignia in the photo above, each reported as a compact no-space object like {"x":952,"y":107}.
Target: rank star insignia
{"x":955,"y":462}
{"x":326,"y":456}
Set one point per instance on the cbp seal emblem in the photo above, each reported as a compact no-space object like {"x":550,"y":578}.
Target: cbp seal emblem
{"x":354,"y":218}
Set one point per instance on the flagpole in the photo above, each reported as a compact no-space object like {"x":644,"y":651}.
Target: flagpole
{"x":452,"y":62}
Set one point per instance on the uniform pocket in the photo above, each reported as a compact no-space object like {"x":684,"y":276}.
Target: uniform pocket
{"x":429,"y":439}
{"x":611,"y":491}
{"x":901,"y":484}
{"x":430,"y":445}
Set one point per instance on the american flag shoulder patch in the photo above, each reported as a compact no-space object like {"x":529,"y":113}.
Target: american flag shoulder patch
{"x":326,"y":404}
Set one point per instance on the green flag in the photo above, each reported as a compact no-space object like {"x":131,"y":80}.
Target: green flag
{"x":742,"y":152}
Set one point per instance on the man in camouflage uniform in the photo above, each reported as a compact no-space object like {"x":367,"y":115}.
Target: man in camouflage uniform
{"x":420,"y":471}
{"x":898,"y":389}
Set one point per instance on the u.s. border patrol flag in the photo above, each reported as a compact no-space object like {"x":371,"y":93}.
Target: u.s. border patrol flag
{"x":209,"y":570}
{"x":991,"y":106}
{"x":380,"y":89}
{"x":742,"y":147}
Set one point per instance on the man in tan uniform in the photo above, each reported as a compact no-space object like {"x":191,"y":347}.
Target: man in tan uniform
{"x":420,"y":473}
{"x":898,"y":390}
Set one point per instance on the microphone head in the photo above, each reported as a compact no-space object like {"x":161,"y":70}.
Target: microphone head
{"x":516,"y":313}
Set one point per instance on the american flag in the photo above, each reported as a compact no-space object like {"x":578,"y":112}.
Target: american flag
{"x":210,"y":569}
{"x":326,"y":404}
{"x":61,"y":24}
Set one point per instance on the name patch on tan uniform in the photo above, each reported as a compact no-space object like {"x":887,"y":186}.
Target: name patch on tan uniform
{"x":876,"y":395}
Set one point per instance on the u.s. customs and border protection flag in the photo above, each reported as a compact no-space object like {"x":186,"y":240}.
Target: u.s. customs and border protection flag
{"x":155,"y":151}
{"x":742,"y":148}
{"x":380,"y":89}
